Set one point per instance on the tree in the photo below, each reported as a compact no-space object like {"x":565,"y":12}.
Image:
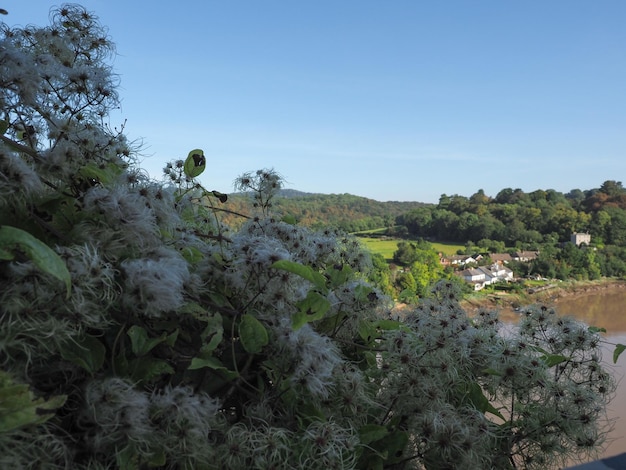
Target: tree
{"x":407,"y":287}
{"x":513,"y":232}
{"x":444,"y":224}
{"x":458,"y":204}
{"x":466,"y":226}
{"x":479,"y":198}
{"x":138,"y":331}
{"x":418,"y":221}
{"x":493,"y":246}
{"x":576,"y":198}
{"x":616,"y":230}
{"x":406,"y":254}
{"x":601,"y":221}
{"x":381,"y":274}
{"x":504,"y":196}
{"x":444,"y":202}
{"x":612,"y":188}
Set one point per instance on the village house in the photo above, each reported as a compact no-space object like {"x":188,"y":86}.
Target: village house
{"x":486,"y":275}
{"x":525,"y":256}
{"x":500,"y":258}
{"x":462,"y":260}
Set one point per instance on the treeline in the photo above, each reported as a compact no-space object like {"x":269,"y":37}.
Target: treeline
{"x":542,"y":220}
{"x":524,"y":220}
{"x":342,"y":211}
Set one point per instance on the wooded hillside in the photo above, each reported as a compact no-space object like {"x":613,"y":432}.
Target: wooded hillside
{"x":344,"y":211}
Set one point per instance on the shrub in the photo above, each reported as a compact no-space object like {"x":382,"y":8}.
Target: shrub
{"x":137,"y":331}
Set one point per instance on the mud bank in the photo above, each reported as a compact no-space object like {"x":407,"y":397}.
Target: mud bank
{"x":549,"y":294}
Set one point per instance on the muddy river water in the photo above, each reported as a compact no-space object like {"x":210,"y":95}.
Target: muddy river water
{"x":606,"y":309}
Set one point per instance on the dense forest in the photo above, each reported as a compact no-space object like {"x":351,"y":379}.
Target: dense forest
{"x":525,"y":219}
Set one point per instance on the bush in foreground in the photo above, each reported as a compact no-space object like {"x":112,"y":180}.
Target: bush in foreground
{"x":136,"y":331}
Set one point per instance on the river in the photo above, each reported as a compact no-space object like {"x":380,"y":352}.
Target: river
{"x":606,"y":309}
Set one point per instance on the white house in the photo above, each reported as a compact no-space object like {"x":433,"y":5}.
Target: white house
{"x":462,"y":260}
{"x":485,"y":275}
{"x":525,"y":256}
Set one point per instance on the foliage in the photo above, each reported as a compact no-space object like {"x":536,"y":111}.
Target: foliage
{"x":186,"y":344}
{"x":423,"y":267}
{"x":343,"y":211}
{"x":19,"y":408}
{"x":540,"y":220}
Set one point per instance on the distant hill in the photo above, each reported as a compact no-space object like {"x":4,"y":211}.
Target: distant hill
{"x":292,"y":193}
{"x":345,"y":211}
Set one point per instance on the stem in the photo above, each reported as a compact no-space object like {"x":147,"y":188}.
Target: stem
{"x":22,"y":148}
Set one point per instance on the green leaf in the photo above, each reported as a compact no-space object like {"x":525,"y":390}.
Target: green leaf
{"x":170,"y":339}
{"x":212,"y":335}
{"x":195,"y":163}
{"x":4,"y":126}
{"x":619,"y":349}
{"x":19,"y":407}
{"x":311,"y":308}
{"x":480,"y":401}
{"x":86,"y":351}
{"x":362,"y":293}
{"x":192,"y":255}
{"x":14,"y":239}
{"x":389,"y":325}
{"x":146,"y":368}
{"x":552,"y":360}
{"x":127,"y":458}
{"x":596,"y":329}
{"x":371,"y":359}
{"x":367,"y":331}
{"x":199,"y":363}
{"x":194,"y":310}
{"x":339,"y":274}
{"x":372,"y":432}
{"x":103,"y":175}
{"x":221,"y":196}
{"x":140,"y":342}
{"x":391,"y":446}
{"x":305,"y":272}
{"x":214,"y":364}
{"x":252,"y":334}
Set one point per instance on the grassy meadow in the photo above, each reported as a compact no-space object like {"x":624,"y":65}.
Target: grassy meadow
{"x":387,"y":246}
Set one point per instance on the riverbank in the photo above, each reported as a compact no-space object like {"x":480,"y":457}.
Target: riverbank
{"x":549,"y":293}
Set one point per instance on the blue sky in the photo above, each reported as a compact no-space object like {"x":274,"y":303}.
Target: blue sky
{"x":392,"y":100}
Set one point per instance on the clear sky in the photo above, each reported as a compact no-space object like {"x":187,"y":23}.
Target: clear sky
{"x":387,"y":99}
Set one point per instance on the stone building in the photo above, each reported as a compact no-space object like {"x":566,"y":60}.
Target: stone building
{"x":580,"y":238}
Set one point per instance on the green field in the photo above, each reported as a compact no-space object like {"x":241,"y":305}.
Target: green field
{"x":384,"y":247}
{"x":388,"y":246}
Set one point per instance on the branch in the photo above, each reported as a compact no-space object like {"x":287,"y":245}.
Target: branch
{"x":20,"y":147}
